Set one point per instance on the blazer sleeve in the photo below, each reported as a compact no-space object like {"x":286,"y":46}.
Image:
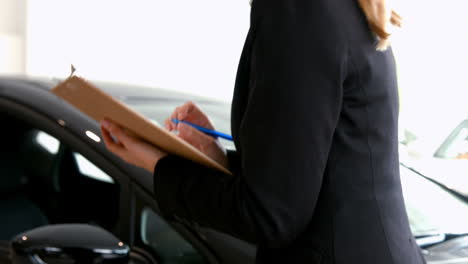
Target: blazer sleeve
{"x":298,"y":64}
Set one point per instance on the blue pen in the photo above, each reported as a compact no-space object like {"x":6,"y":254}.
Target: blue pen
{"x":204,"y":130}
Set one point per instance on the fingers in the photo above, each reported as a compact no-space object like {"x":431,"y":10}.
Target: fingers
{"x":204,"y":143}
{"x":183,"y":111}
{"x":396,"y":19}
{"x":114,"y":147}
{"x":117,"y":140}
{"x":169,"y":124}
{"x":192,"y":113}
{"x":179,"y":113}
{"x":116,"y":131}
{"x":188,"y":112}
{"x":194,"y":137}
{"x":130,"y":149}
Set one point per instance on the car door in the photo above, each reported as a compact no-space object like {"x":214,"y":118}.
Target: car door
{"x":67,"y":179}
{"x":61,"y":141}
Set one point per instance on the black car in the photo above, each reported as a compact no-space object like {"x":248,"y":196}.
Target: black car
{"x":55,"y":170}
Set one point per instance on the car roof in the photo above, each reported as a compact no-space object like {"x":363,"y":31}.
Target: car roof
{"x":120,"y":90}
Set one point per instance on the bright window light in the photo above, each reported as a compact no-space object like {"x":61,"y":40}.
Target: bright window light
{"x":93,"y":136}
{"x":48,"y":142}
{"x":90,"y":170}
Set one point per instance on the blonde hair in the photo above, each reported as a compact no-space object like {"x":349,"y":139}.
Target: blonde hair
{"x":380,"y":17}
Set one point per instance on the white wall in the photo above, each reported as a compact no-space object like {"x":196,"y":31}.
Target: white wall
{"x":179,"y":44}
{"x":195,"y":45}
{"x":432,"y":63}
{"x":12,"y":36}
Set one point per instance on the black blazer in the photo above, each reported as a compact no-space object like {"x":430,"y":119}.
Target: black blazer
{"x":314,"y":119}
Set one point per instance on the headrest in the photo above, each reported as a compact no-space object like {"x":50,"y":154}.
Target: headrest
{"x":39,"y":163}
{"x":11,"y":172}
{"x":21,"y":157}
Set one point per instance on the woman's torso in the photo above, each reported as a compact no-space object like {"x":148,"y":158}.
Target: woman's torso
{"x":360,"y":215}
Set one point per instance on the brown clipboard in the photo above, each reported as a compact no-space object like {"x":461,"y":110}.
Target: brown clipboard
{"x":97,"y":104}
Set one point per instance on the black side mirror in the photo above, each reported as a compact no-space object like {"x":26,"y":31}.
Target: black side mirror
{"x":68,"y":243}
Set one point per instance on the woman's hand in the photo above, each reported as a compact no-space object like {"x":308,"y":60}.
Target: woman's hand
{"x":208,"y":145}
{"x":130,"y":148}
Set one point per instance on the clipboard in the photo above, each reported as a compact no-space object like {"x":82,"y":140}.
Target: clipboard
{"x":97,"y":104}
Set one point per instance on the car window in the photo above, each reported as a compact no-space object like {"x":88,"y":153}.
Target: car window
{"x":61,"y":175}
{"x":456,"y":145}
{"x":458,"y":149}
{"x":47,"y":142}
{"x":88,"y":169}
{"x":165,"y":241}
{"x":46,"y":180}
{"x":85,"y":167}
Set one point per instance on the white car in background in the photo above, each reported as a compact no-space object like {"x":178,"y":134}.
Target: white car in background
{"x":439,"y":152}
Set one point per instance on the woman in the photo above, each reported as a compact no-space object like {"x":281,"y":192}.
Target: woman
{"x":314,"y":120}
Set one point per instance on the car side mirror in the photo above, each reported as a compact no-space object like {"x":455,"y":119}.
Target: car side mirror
{"x":68,"y":243}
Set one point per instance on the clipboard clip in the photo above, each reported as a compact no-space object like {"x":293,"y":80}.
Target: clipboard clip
{"x":73,"y":70}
